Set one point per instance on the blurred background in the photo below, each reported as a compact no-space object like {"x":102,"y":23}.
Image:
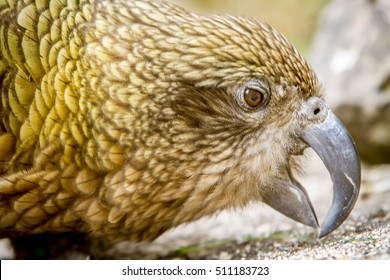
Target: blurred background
{"x":296,"y":19}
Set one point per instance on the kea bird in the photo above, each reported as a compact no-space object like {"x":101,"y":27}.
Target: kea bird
{"x":125,"y":118}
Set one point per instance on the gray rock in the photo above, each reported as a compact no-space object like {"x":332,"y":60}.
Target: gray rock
{"x":351,"y":54}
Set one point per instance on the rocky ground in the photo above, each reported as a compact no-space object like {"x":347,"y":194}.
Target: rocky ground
{"x":368,"y":240}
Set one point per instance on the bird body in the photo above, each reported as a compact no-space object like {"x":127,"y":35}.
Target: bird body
{"x":124,"y":119}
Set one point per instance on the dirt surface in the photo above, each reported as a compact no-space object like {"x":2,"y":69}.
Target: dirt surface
{"x":367,"y":238}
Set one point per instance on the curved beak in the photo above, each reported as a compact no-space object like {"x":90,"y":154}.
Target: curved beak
{"x":332,"y":142}
{"x":288,"y":197}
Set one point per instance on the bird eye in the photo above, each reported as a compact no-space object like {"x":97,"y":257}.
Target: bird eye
{"x":253,"y":97}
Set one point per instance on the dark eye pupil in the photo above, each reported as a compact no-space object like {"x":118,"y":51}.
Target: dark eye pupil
{"x":253,"y":97}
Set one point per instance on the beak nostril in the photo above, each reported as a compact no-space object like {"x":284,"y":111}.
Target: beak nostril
{"x":315,"y":109}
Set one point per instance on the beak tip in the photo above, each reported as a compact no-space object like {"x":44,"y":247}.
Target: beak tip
{"x":322,"y":233}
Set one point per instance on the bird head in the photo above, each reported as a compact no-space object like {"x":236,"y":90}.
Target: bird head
{"x":211,"y":112}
